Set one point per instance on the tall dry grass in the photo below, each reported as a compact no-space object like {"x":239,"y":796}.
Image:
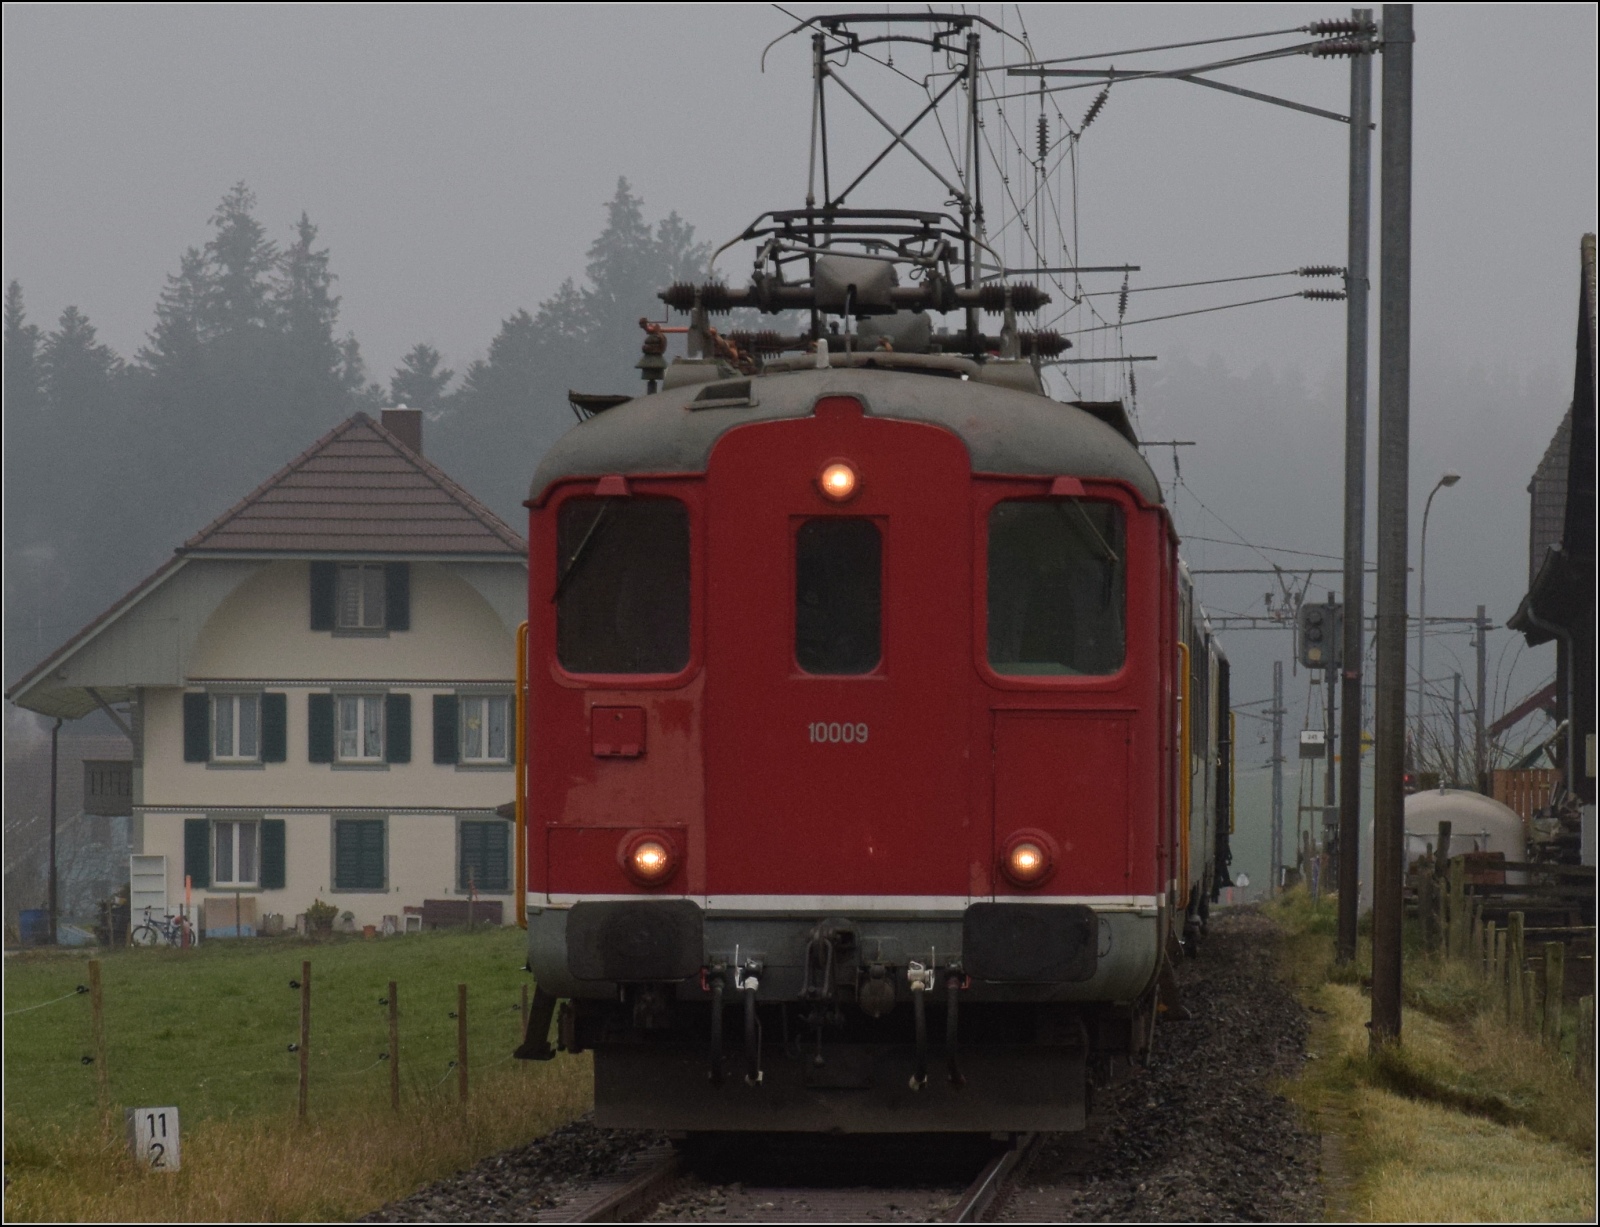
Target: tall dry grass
{"x":1467,"y":1120}
{"x":337,"y":1166}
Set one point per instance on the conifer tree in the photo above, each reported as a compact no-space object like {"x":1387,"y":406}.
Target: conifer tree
{"x":419,"y":381}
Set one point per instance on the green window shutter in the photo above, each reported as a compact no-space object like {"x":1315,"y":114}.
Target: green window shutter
{"x":397,"y":596}
{"x":196,"y":728}
{"x":446,"y":728}
{"x":346,"y":856}
{"x":358,"y":859}
{"x":372,"y":876}
{"x":496,"y":876}
{"x":397,"y":728}
{"x":273,"y":859}
{"x":485,"y":860}
{"x":324,"y":594}
{"x":319,"y":728}
{"x":471,"y":858}
{"x":197,"y":851}
{"x":274,"y":728}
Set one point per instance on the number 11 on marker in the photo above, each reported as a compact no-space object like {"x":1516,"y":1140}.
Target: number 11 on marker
{"x":153,"y":1138}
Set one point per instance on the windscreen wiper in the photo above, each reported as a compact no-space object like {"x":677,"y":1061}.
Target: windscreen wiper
{"x":578,"y":554}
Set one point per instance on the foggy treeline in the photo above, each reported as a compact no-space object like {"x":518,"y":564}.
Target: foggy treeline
{"x":111,"y":461}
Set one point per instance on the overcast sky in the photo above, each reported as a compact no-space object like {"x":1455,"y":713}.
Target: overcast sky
{"x":456,"y":160}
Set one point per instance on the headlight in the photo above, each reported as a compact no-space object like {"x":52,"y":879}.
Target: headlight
{"x":1026,"y":860}
{"x":649,"y":859}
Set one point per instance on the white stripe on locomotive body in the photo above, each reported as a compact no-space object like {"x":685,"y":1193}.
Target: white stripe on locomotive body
{"x":846,"y":904}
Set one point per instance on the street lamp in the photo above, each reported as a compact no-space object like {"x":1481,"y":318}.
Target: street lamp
{"x":1448,"y":479}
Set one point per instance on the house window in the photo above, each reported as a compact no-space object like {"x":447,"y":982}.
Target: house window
{"x":485,"y":728}
{"x":484,"y":863}
{"x":360,"y":729}
{"x":361,"y":596}
{"x":358,"y":854}
{"x":235,"y":727}
{"x":235,"y":853}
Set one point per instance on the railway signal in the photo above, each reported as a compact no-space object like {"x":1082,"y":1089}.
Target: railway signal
{"x":1319,"y":635}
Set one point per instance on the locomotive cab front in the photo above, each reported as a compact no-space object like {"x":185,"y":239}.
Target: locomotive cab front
{"x":852,"y":797}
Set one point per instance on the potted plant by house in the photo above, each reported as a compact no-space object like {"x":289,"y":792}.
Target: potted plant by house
{"x":319,"y":918}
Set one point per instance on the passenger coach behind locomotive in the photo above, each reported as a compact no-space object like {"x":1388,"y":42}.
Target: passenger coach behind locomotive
{"x":858,"y":792}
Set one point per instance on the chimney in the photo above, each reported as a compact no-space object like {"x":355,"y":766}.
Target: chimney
{"x":405,"y":425}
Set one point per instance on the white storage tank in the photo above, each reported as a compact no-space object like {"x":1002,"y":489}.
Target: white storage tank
{"x":1477,"y":824}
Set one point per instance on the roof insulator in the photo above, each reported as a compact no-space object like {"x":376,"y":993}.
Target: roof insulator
{"x":1094,"y":108}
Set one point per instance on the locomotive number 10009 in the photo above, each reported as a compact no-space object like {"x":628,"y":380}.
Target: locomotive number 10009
{"x":832,"y":732}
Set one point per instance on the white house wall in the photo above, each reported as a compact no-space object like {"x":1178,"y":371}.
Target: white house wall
{"x":149,"y":644}
{"x":421,"y":851}
{"x":262,"y":631}
{"x":299,"y":783}
{"x":257,"y":634}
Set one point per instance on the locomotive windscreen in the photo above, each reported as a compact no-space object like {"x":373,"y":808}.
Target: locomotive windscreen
{"x":1055,"y":587}
{"x":622,"y":588}
{"x":838,"y":596}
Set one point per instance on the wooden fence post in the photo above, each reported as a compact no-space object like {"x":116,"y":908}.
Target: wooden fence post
{"x":1514,"y":957}
{"x":1497,"y":963}
{"x":1554,"y":984}
{"x":461,"y":1039}
{"x":1583,"y":1042}
{"x":97,"y":1014}
{"x":1530,"y":998}
{"x":1425,"y":905}
{"x":1475,"y":946}
{"x":305,"y":1033}
{"x":1486,"y":960}
{"x":1458,"y":909}
{"x":394,"y":1045}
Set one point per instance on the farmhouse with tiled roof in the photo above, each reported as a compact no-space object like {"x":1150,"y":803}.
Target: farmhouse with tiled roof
{"x":318,"y":691}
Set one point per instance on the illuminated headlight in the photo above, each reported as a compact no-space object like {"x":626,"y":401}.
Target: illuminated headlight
{"x":837,"y":481}
{"x":1026,"y":861}
{"x":649,"y":859}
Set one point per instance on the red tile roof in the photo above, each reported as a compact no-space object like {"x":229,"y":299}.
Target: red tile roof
{"x":358,"y":490}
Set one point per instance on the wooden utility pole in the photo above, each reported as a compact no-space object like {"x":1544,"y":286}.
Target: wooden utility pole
{"x":1394,"y":461}
{"x":1353,"y":649}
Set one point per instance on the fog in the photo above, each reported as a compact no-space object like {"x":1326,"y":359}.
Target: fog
{"x":457,"y":160}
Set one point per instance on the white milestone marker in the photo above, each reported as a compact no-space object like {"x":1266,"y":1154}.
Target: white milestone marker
{"x":153,"y":1137}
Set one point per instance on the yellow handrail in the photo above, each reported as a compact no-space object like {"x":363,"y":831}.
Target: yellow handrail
{"x":1185,"y":782}
{"x":521,"y":841}
{"x":1233,"y":762}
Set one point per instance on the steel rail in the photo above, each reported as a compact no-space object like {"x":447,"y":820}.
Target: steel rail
{"x":635,"y":1199}
{"x":992,"y":1183}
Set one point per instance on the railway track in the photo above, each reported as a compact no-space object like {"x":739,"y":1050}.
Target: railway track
{"x":668,"y":1184}
{"x":1202,"y":1135}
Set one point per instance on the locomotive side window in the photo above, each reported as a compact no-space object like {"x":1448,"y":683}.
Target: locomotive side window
{"x":622,"y":585}
{"x":838,"y":596}
{"x":1056,"y":580}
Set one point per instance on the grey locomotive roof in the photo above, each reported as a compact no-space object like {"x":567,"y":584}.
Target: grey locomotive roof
{"x":1005,"y":431}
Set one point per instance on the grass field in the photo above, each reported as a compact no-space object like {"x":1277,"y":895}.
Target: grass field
{"x":209,"y":1030}
{"x":1467,"y":1120}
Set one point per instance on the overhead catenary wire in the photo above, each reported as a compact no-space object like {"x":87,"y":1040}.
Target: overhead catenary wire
{"x":1152,"y":319}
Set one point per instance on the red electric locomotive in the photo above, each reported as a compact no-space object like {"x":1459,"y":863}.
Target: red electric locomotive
{"x":876,"y":752}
